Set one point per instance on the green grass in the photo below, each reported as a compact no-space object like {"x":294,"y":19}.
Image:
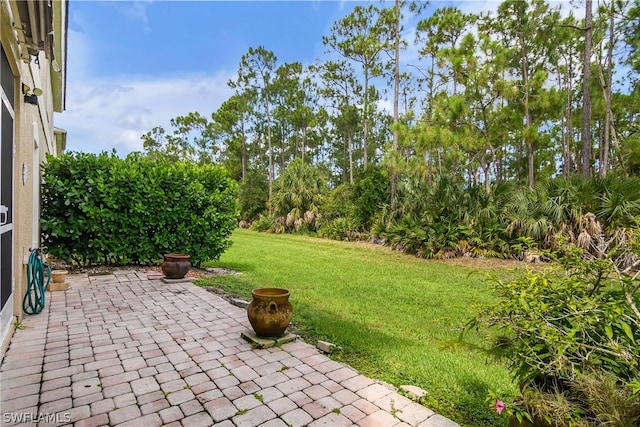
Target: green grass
{"x":395,"y":316}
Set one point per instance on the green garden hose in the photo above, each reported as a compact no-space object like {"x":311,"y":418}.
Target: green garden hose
{"x":33,"y":302}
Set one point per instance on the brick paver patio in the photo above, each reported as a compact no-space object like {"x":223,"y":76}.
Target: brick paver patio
{"x":121,"y":349}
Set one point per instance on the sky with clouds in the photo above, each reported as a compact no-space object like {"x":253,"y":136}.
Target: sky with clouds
{"x":134,"y":65}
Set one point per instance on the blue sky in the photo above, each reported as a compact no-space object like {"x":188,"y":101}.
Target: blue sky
{"x":169,"y":37}
{"x":133,"y":65}
{"x":136,"y":65}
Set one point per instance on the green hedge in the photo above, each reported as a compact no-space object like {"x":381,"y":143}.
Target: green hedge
{"x":104,"y":209}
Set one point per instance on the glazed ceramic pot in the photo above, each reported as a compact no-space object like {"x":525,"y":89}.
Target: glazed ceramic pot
{"x":270,"y":311}
{"x":176,"y":266}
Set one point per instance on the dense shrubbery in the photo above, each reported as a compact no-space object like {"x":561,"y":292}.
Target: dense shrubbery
{"x":341,"y":228}
{"x":299,"y":189}
{"x":348,"y":210}
{"x":555,"y":209}
{"x":445,"y":217}
{"x":572,"y":336}
{"x":298,"y":193}
{"x":371,"y":190}
{"x":253,"y":194}
{"x":100,"y":208}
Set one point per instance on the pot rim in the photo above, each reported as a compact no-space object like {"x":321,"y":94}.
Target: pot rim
{"x":271,"y":292}
{"x":177,"y":255}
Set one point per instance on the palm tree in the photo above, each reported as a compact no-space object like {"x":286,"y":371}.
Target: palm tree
{"x":298,"y":193}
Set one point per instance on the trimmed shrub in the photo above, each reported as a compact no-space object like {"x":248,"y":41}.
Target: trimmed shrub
{"x":103,"y":209}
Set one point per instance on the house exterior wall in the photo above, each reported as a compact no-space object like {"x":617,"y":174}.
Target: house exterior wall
{"x":33,"y":138}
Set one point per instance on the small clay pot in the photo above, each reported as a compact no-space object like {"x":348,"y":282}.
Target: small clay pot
{"x":176,"y":266}
{"x":59,"y":276}
{"x":270,"y":311}
{"x":58,"y":281}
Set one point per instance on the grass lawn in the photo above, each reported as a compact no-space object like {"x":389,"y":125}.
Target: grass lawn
{"x":394,"y":315}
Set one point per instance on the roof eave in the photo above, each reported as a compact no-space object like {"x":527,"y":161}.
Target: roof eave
{"x":59,"y":59}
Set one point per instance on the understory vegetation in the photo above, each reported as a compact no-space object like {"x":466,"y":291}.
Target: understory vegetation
{"x":571,"y":334}
{"x":445,"y":218}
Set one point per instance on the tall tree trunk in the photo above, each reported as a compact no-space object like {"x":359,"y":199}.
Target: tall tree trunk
{"x":520,"y":150}
{"x":282,"y":143}
{"x":586,"y":92}
{"x":304,"y":141}
{"x":568,"y":126}
{"x":270,"y":151}
{"x":345,"y":155}
{"x":530,"y":163}
{"x":243,"y":152}
{"x":350,"y":142}
{"x":494,"y":161}
{"x":499,"y":165}
{"x":297,"y":144}
{"x":600,"y":121}
{"x":528,"y":122}
{"x":486,"y":172}
{"x":396,"y":94}
{"x":365,"y":130}
{"x":606,"y":86}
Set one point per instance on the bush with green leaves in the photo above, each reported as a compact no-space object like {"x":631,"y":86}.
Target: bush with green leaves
{"x":252,"y":196}
{"x":104,"y":209}
{"x":338,"y":203}
{"x":573,"y":325}
{"x":371,"y":191}
{"x":447,"y":218}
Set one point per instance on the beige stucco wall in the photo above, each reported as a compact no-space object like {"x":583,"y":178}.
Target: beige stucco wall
{"x":33,"y":138}
{"x":32,"y":126}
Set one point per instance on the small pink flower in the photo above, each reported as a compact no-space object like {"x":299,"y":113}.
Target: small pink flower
{"x":499,"y":406}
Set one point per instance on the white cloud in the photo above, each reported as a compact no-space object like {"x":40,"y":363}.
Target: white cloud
{"x":106,"y":114}
{"x":385,"y":105}
{"x":80,"y":59}
{"x":137,"y":11}
{"x":477,"y":7}
{"x":480,"y":6}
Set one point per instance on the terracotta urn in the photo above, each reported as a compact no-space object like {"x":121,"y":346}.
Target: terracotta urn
{"x":270,"y":311}
{"x":176,"y":266}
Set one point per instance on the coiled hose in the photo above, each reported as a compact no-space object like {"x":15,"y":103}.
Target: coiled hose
{"x":34,"y":299}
